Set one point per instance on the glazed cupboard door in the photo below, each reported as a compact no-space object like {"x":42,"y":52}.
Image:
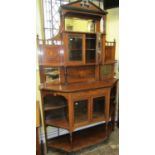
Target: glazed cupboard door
{"x":98,"y":108}
{"x":90,"y":48}
{"x":74,"y":49}
{"x":81,"y":112}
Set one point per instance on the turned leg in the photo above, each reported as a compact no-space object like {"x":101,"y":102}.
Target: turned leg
{"x":107,"y":130}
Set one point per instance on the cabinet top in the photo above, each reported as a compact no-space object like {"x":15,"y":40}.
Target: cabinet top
{"x":79,"y":86}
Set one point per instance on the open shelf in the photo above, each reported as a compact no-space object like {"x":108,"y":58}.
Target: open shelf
{"x":48,"y":107}
{"x":61,"y":123}
{"x":81,"y":139}
{"x":109,"y":62}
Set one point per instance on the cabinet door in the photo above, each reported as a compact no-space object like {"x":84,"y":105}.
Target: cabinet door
{"x":90,"y":48}
{"x":98,"y":108}
{"x":80,"y":112}
{"x":75,"y":49}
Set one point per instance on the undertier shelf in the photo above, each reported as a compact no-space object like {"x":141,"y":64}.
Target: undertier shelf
{"x":81,"y":139}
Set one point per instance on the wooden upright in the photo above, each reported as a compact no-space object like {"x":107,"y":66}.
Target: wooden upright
{"x":78,"y":87}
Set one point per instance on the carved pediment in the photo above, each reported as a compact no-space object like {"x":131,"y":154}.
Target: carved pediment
{"x":84,"y":5}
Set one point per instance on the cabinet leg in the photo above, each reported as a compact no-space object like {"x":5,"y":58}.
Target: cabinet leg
{"x":113,"y":125}
{"x":107,"y":131}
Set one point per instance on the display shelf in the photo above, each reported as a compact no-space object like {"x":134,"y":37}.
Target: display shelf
{"x":58,"y":122}
{"x":109,"y":62}
{"x":91,"y":49}
{"x":81,"y":139}
{"x":48,"y":107}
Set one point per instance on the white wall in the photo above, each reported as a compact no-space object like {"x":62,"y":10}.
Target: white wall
{"x":112,"y":28}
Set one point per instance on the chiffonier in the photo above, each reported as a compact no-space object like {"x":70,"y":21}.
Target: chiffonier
{"x":78,"y":88}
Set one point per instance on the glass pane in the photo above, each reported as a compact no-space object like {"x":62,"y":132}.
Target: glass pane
{"x":90,"y":56}
{"x":79,"y":25}
{"x":80,"y":111}
{"x":90,"y":48}
{"x":75,"y":48}
{"x":52,"y":75}
{"x":75,"y":42}
{"x":90,"y":41}
{"x":98,"y":107}
{"x":75,"y":55}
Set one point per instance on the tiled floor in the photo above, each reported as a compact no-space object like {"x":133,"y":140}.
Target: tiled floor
{"x":109,"y":147}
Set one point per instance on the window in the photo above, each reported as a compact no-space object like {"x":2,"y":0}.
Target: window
{"x":52,"y":16}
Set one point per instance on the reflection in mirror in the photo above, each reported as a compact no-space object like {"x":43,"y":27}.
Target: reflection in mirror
{"x":52,"y":75}
{"x":73,"y":24}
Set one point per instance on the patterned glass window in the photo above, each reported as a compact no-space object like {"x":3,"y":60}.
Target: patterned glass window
{"x":52,"y":16}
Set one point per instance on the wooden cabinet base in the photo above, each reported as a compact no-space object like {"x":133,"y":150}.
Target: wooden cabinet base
{"x":81,"y":139}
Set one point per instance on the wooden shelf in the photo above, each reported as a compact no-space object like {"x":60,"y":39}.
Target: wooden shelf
{"x":90,"y":49}
{"x":48,"y":107}
{"x":58,"y":122}
{"x":90,"y":38}
{"x":75,"y":49}
{"x":81,"y":139}
{"x":80,"y":86}
{"x":109,"y":62}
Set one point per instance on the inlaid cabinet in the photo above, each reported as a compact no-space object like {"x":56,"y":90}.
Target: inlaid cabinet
{"x":78,"y":88}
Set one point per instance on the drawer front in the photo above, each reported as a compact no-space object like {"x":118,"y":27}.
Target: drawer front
{"x":90,"y":93}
